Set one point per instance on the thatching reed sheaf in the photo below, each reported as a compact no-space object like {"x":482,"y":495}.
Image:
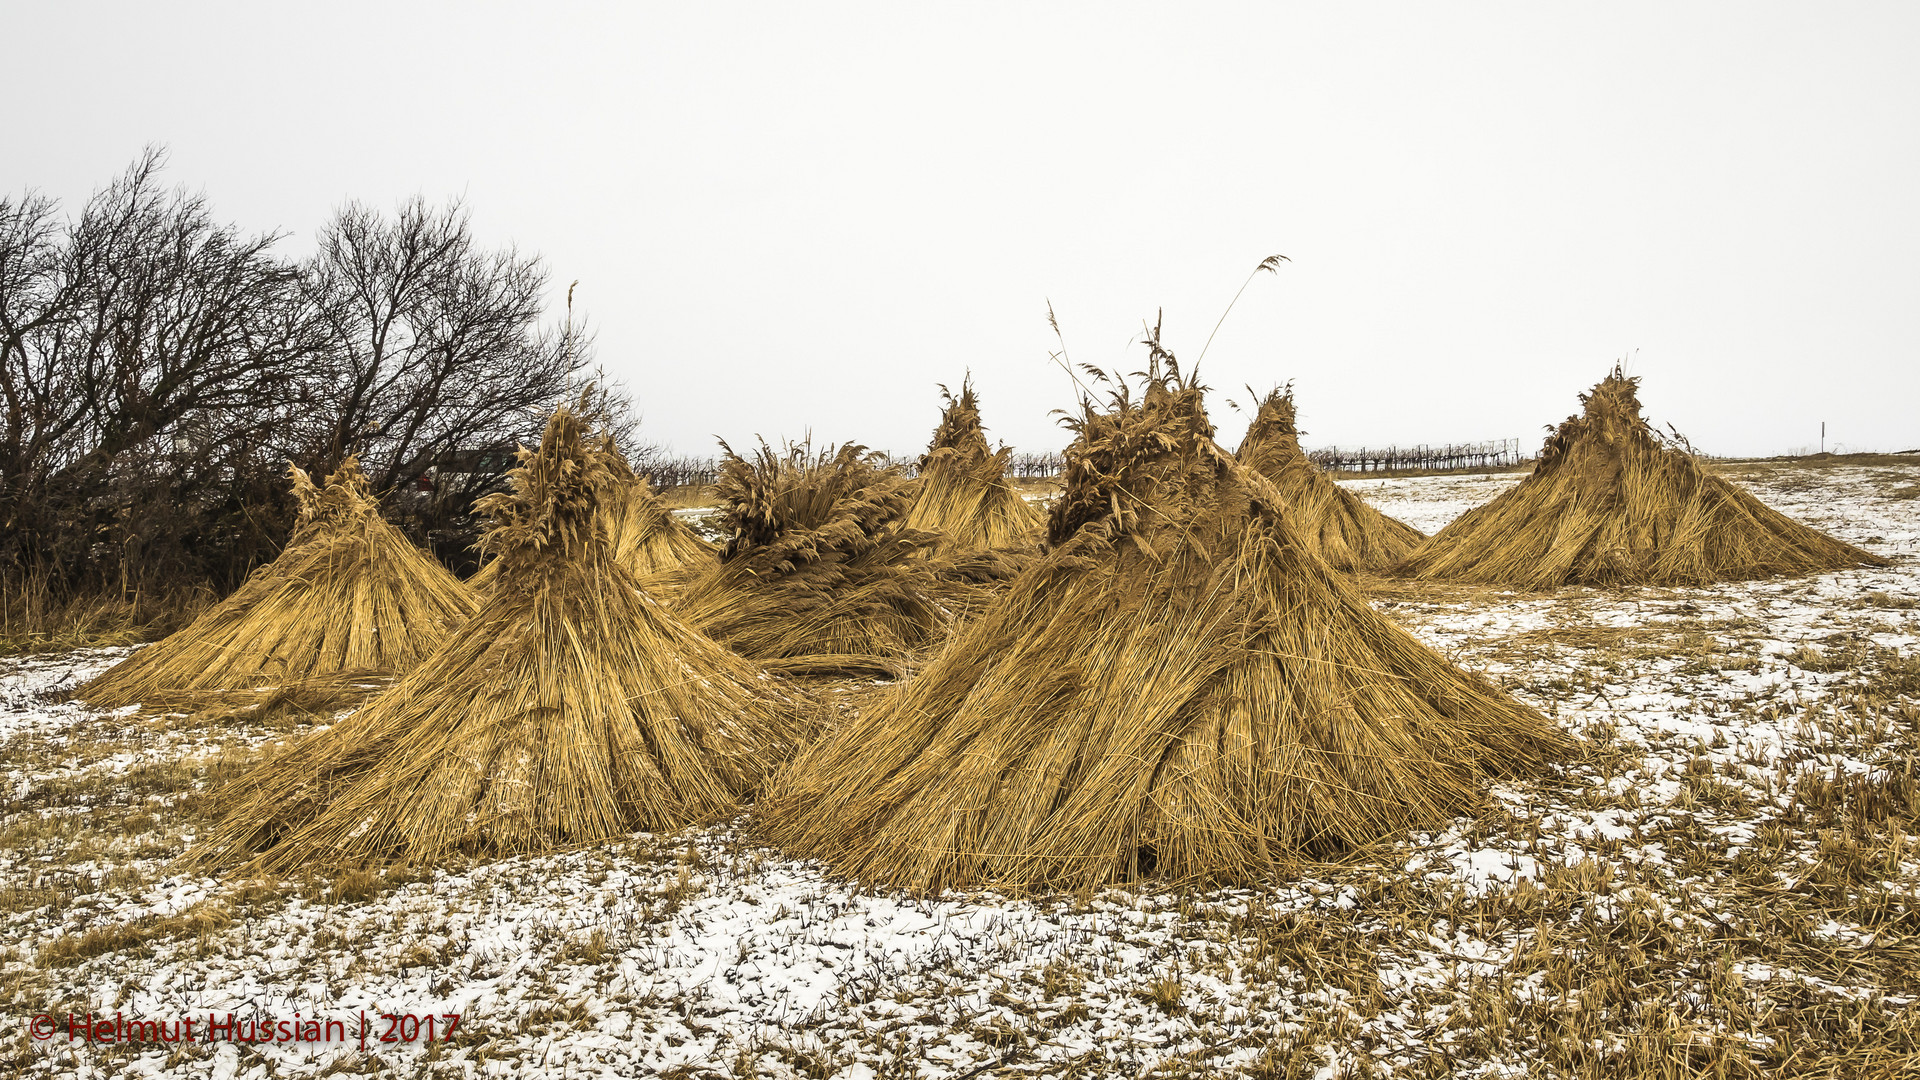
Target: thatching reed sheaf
{"x":1612,"y":503}
{"x":572,"y":709}
{"x":817,"y":576}
{"x":1337,"y":524}
{"x":1180,"y":686}
{"x":962,"y":492}
{"x":349,"y":602}
{"x":653,"y":544}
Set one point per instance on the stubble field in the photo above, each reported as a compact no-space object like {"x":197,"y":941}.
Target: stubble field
{"x":1728,"y":884}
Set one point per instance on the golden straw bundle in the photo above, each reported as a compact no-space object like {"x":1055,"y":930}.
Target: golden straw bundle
{"x":1337,"y":524}
{"x":1179,"y":686}
{"x":657,"y":547}
{"x":349,"y":600}
{"x":962,"y":493}
{"x":817,"y":576}
{"x":572,"y":709}
{"x":1610,"y":503}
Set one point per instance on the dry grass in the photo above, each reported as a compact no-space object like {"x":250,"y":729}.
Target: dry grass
{"x":1337,"y":524}
{"x":349,"y":597}
{"x":1825,"y":461}
{"x":1888,"y":601}
{"x":132,"y":938}
{"x":818,"y":576}
{"x":572,"y":709}
{"x":1180,"y":686}
{"x":962,"y":493}
{"x":1610,"y":504}
{"x":32,"y":621}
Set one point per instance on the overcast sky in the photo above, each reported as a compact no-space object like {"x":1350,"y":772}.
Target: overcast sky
{"x":803,"y":216}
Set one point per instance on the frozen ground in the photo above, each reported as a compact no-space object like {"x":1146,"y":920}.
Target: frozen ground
{"x":1726,"y":886}
{"x":1429,"y":502}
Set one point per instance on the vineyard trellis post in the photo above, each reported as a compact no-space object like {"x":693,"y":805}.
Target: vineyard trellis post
{"x":680,"y":472}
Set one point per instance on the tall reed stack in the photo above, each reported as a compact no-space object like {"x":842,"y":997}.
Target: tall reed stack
{"x":571,"y":709}
{"x":349,"y":602}
{"x":817,"y":575}
{"x":1337,"y":524}
{"x":658,"y":548}
{"x":962,"y":492}
{"x":1179,"y":686}
{"x":1611,"y":503}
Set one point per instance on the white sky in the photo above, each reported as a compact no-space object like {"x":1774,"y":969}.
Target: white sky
{"x":802,"y":216}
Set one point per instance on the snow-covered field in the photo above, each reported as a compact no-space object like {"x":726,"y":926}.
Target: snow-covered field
{"x":1727,"y":882}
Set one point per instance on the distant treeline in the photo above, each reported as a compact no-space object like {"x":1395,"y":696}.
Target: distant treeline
{"x":159,"y":368}
{"x":675,"y":472}
{"x":1480,"y":455}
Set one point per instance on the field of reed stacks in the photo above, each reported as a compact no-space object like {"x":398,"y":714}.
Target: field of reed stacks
{"x":1725,"y":883}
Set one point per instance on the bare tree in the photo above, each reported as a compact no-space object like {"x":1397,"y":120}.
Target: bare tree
{"x":158,"y":369}
{"x":37,"y":302}
{"x":433,"y":346}
{"x":122,"y":330}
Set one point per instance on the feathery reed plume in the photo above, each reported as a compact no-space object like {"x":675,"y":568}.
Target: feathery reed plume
{"x":1337,"y":524}
{"x":348,"y":603}
{"x":658,"y":548}
{"x":1270,"y":264}
{"x":1179,"y":686}
{"x":1611,"y":503}
{"x":962,"y":492}
{"x":571,"y":709}
{"x":817,"y":576}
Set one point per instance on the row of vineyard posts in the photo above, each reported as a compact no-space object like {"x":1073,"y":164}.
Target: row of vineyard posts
{"x":666,"y":473}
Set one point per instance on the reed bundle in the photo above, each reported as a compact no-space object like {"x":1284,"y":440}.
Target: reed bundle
{"x":962,"y":492}
{"x":571,"y":709}
{"x":349,"y":602}
{"x":1180,"y":686}
{"x":817,"y":576}
{"x":1612,"y":503}
{"x":1334,"y":522}
{"x":657,"y":547}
